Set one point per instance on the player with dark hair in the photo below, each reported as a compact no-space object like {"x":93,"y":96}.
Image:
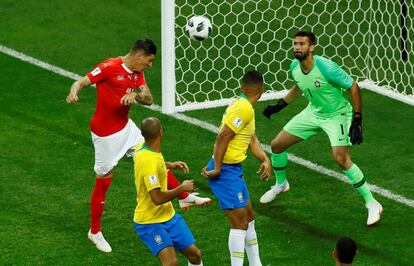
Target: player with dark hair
{"x":225,"y":172}
{"x":344,"y":252}
{"x":322,"y":82}
{"x":119,"y":82}
{"x":155,"y":220}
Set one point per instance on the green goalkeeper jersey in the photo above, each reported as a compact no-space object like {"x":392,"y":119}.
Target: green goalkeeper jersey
{"x":323,"y":86}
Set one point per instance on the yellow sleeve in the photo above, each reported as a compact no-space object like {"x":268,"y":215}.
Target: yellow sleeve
{"x":237,"y":117}
{"x":150,"y":176}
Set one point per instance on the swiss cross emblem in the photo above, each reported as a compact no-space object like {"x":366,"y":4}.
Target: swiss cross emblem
{"x":135,"y":77}
{"x":120,"y":77}
{"x":317,"y":84}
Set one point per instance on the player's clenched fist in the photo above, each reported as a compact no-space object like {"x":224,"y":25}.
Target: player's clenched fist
{"x":128,"y":98}
{"x":188,"y":185}
{"x":72,"y":97}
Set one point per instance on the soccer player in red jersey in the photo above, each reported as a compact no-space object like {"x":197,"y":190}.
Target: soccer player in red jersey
{"x":119,"y":82}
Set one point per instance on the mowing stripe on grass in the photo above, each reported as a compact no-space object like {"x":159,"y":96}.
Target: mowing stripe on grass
{"x":38,"y":63}
{"x":202,"y":124}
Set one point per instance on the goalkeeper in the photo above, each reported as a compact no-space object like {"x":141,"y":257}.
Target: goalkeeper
{"x":322,"y":82}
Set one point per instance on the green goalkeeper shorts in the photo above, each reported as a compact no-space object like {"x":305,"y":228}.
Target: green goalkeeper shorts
{"x":306,"y":124}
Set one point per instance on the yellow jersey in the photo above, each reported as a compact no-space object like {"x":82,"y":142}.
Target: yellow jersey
{"x":239,"y":117}
{"x":150,"y":173}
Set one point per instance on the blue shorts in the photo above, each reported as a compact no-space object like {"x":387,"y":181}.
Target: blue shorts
{"x":229,"y":187}
{"x":158,"y":236}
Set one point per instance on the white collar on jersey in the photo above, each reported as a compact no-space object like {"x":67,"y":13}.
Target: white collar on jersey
{"x":127,"y":69}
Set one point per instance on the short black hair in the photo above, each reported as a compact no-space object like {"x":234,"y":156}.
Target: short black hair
{"x":345,"y":249}
{"x":307,"y":33}
{"x":252,"y":77}
{"x":145,"y":45}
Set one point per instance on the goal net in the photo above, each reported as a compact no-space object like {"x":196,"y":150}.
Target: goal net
{"x":367,"y":38}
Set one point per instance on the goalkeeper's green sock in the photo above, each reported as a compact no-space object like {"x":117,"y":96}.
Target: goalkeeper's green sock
{"x":279,"y":164}
{"x":357,"y":179}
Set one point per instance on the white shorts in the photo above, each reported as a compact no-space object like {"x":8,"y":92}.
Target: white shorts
{"x":110,"y":149}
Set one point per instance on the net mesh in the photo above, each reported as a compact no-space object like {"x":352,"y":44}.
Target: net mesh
{"x":365,"y":38}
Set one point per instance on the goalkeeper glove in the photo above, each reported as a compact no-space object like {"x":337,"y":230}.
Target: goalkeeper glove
{"x":274,"y":108}
{"x":355,"y":131}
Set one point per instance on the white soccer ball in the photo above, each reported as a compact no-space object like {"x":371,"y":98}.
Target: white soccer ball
{"x":198,"y":28}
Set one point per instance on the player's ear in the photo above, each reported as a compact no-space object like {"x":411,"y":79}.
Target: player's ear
{"x":258,"y":89}
{"x":262,"y":88}
{"x":334,"y":254}
{"x":312,"y":48}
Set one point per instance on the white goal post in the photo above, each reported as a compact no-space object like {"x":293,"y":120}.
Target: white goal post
{"x":370,"y":39}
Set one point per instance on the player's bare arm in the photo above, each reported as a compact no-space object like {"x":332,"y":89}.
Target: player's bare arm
{"x":256,"y":148}
{"x":355,"y":131}
{"x":141,"y":94}
{"x":160,"y":197}
{"x":75,"y":88}
{"x":292,"y":94}
{"x":144,"y":95}
{"x":128,"y":98}
{"x":178,"y":165}
{"x":220,"y":146}
{"x":356,"y":97}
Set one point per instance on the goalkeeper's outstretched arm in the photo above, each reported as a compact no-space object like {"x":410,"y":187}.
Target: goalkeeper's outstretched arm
{"x":292,"y":94}
{"x":355,"y":131}
{"x":356,"y":97}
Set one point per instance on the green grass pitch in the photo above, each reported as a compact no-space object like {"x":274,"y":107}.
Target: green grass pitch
{"x":46,"y":156}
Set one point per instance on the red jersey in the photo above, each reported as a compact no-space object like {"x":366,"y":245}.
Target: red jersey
{"x":113,"y":80}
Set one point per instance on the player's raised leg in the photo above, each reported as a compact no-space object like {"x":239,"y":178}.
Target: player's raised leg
{"x":185,"y":199}
{"x":172,"y":183}
{"x":193,"y":200}
{"x":279,"y":163}
{"x":355,"y":175}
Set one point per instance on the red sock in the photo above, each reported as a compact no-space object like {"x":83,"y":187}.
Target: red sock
{"x":97,"y":202}
{"x":172,"y":183}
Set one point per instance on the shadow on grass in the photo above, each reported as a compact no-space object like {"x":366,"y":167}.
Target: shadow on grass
{"x":320,"y":233}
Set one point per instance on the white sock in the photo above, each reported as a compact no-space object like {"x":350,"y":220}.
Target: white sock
{"x":236,"y":246}
{"x":190,"y":264}
{"x":252,"y":246}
